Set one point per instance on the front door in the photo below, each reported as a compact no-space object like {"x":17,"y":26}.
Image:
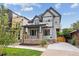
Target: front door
{"x":33,"y":34}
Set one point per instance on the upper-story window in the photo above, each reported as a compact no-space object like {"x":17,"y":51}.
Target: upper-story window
{"x":48,"y":20}
{"x":22,"y":19}
{"x":55,"y":22}
{"x":36,"y":21}
{"x":17,"y":16}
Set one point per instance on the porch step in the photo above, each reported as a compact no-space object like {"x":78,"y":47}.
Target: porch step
{"x":32,"y":41}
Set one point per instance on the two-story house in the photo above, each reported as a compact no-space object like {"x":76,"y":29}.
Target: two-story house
{"x":44,"y":26}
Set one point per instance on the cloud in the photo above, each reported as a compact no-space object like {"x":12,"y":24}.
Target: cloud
{"x":27,"y":9}
{"x":58,"y":5}
{"x":29,"y":6}
{"x":69,"y":13}
{"x":74,"y":5}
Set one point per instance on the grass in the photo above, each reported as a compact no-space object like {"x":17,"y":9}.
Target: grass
{"x":21,"y":52}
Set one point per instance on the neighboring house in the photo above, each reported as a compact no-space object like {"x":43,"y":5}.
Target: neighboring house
{"x":75,"y":36}
{"x":15,"y":19}
{"x":44,"y":26}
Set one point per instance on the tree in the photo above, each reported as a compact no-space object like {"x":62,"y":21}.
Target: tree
{"x":75,"y":26}
{"x":66,"y":33}
{"x":7,"y":36}
{"x":59,"y":33}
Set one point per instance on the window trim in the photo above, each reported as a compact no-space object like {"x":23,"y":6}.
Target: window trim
{"x":33,"y":33}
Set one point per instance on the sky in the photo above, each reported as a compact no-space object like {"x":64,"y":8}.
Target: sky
{"x":68,"y":11}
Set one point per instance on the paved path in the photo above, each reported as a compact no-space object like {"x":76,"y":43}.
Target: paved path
{"x":28,"y":47}
{"x":63,"y":46}
{"x":61,"y":49}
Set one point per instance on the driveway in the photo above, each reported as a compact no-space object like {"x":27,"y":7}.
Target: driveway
{"x":61,"y":49}
{"x":63,"y":46}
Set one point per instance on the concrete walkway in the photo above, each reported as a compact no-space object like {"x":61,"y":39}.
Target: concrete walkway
{"x":28,"y":47}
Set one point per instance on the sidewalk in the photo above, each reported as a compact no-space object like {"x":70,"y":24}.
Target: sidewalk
{"x":28,"y":47}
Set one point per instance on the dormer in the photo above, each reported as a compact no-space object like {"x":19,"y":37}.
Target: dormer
{"x":35,"y":20}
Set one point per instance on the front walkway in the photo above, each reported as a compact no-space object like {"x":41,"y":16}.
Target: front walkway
{"x":28,"y":47}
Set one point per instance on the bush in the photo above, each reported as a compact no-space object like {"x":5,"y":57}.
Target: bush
{"x":60,"y":39}
{"x":59,"y":33}
{"x":43,"y":42}
{"x":73,"y":41}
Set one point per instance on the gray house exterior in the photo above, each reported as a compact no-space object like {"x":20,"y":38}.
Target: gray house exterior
{"x":44,"y":26}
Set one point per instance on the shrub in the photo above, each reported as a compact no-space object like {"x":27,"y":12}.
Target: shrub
{"x":59,"y":33}
{"x":73,"y":41}
{"x":43,"y":42}
{"x":60,"y":39}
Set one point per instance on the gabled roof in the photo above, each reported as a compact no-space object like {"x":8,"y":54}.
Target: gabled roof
{"x":50,"y":10}
{"x":24,"y":17}
{"x":18,"y":14}
{"x":36,"y":17}
{"x":13,"y":12}
{"x":74,"y":31}
{"x":40,"y":16}
{"x":55,"y":11}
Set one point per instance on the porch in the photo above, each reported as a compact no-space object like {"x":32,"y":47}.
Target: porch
{"x":33,"y":35}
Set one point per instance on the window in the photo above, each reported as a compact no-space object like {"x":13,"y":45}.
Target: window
{"x":55,"y":22}
{"x":17,"y":16}
{"x":22,"y":19}
{"x":48,"y":20}
{"x":36,"y":21}
{"x":33,"y":32}
{"x":46,"y":32}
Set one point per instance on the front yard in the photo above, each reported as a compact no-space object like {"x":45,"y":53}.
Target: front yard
{"x":21,"y":52}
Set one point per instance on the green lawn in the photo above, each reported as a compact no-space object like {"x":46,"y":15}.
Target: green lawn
{"x":21,"y":52}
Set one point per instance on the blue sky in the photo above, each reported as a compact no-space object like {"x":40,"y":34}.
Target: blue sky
{"x":69,"y":11}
